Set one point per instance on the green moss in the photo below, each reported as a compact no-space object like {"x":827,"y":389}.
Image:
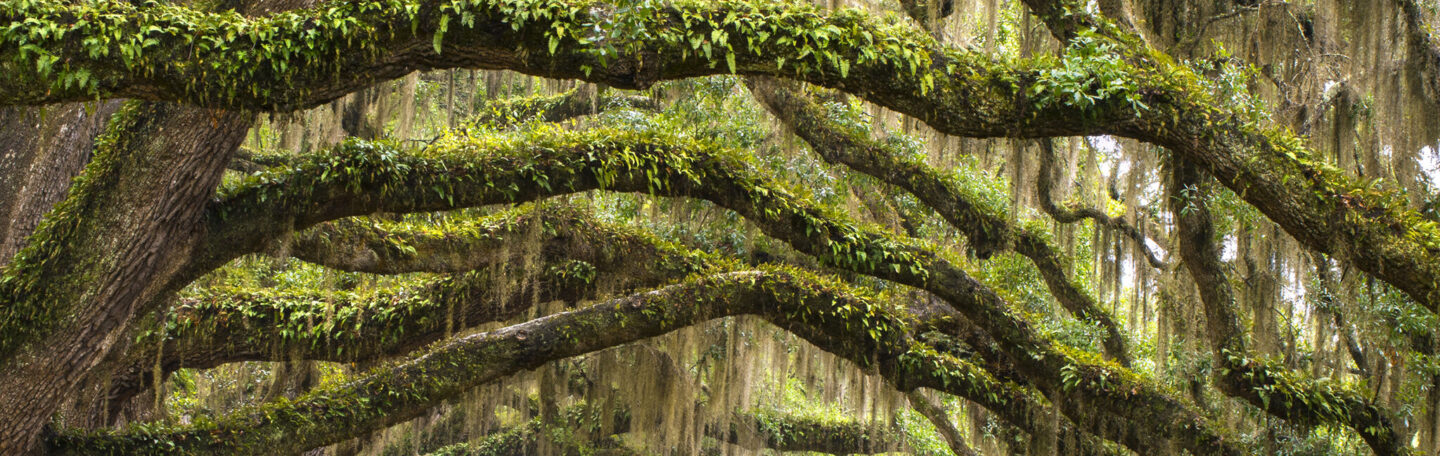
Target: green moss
{"x":53,"y":273}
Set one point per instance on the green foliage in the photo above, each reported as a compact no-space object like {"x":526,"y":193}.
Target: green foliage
{"x":666,"y":155}
{"x":1092,"y":71}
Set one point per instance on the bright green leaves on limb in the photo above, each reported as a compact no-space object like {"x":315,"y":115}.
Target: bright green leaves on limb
{"x":1092,"y":72}
{"x":440,"y":32}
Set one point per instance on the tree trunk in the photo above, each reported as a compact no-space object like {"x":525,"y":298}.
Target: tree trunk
{"x":41,"y":150}
{"x":111,"y":245}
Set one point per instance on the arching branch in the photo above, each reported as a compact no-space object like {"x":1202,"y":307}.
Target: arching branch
{"x":988,"y":228}
{"x":196,"y":344}
{"x":935,"y":413}
{"x":1282,"y":392}
{"x":1075,"y":213}
{"x":806,"y":434}
{"x":550,"y":232}
{"x":538,"y":164}
{"x":574,"y":103}
{"x":231,"y":325}
{"x":336,"y":49}
{"x":770,"y":431}
{"x":214,"y":331}
{"x":822,"y":311}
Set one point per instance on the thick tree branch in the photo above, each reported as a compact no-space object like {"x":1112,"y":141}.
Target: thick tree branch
{"x":806,"y":434}
{"x":337,"y":49}
{"x":988,"y":228}
{"x":776,"y":432}
{"x":308,"y":57}
{"x":210,"y":331}
{"x":552,"y":232}
{"x":249,"y":161}
{"x":233,"y":325}
{"x":582,"y":101}
{"x":546,"y":162}
{"x":517,"y":440}
{"x":573,"y":253}
{"x":1282,"y":392}
{"x":935,"y":413}
{"x":1274,"y":171}
{"x":128,"y":221}
{"x":1014,"y":405}
{"x":822,"y":311}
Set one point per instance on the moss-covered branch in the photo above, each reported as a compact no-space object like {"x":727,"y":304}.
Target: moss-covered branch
{"x":127,"y":222}
{"x":988,"y":228}
{"x":573,"y":253}
{"x":232,"y":325}
{"x":249,"y":161}
{"x":784,"y":433}
{"x":825,"y":312}
{"x":526,"y":439}
{"x":1359,"y":222}
{"x":238,"y":326}
{"x":934,"y":412}
{"x":305,"y":57}
{"x":548,"y":232}
{"x":1282,"y":392}
{"x":769,"y":431}
{"x":559,"y":107}
{"x":364,"y":178}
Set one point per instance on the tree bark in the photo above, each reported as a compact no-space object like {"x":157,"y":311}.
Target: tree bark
{"x":988,"y":228}
{"x":41,"y":150}
{"x":956,"y":92}
{"x":226,"y":326}
{"x":1282,"y":392}
{"x":645,"y":161}
{"x":120,"y":233}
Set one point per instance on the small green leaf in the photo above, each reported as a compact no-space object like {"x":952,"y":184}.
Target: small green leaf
{"x":440,"y":32}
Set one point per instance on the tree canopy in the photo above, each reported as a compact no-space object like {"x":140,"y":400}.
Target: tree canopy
{"x":672,"y":226}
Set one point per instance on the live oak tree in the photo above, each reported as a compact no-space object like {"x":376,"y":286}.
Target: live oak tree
{"x":1148,"y":226}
